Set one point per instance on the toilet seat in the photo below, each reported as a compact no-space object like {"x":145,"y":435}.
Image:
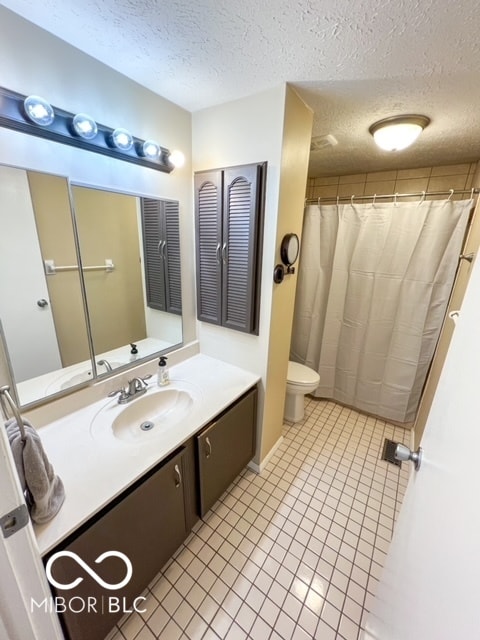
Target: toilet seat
{"x":299,"y":375}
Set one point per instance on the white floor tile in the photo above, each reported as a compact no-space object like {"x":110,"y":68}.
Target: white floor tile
{"x":294,"y":553}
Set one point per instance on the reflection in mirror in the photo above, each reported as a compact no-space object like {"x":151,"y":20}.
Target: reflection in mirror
{"x":42,"y":337}
{"x":126,"y":302}
{"x":42,"y":317}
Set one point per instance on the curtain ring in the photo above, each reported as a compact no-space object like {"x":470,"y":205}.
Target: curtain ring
{"x":422,"y":199}
{"x":351,"y":200}
{"x":395,"y":199}
{"x":374,"y":199}
{"x":318,"y":202}
{"x":473,"y":192}
{"x":450,"y":196}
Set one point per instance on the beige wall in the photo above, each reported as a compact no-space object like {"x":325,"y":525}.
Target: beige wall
{"x":297,"y":132}
{"x":107,"y":229}
{"x":53,"y":218}
{"x":438,"y":178}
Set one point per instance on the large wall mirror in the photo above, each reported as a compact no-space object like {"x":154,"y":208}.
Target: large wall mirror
{"x":89,"y":281}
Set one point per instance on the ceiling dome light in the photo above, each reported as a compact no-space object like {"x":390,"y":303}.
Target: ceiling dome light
{"x":84,"y":126}
{"x":122,"y":139}
{"x":149,"y":149}
{"x":398,"y":132}
{"x":38,"y":110}
{"x":176,"y":158}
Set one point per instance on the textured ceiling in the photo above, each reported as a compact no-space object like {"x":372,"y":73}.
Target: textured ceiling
{"x":353,"y":62}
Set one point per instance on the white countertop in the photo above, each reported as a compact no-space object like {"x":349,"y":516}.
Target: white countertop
{"x":97,"y":468}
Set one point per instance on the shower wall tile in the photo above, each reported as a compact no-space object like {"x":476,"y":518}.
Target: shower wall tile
{"x":353,"y":179}
{"x":423,"y":172}
{"x":447,"y":182}
{"x":328,"y":191}
{"x":450,"y":170}
{"x":380,"y":187}
{"x":356,"y":188}
{"x":411,"y":185}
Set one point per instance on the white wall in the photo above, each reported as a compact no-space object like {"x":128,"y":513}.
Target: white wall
{"x":245,"y":131}
{"x":34,"y":62}
{"x":242,"y":132}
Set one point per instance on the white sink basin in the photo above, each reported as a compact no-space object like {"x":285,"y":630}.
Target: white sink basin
{"x":146,"y":417}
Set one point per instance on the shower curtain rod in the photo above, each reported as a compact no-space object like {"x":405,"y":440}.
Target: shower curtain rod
{"x":418,"y":194}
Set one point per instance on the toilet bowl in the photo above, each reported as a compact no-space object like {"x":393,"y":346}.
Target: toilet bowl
{"x":300,"y":381}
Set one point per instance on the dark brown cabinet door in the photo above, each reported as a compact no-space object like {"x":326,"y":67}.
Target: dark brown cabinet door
{"x":224,"y":448}
{"x":147,"y":525}
{"x":208,"y":225}
{"x":229,"y":224}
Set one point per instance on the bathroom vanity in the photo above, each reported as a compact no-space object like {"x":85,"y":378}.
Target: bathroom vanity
{"x":140,"y":494}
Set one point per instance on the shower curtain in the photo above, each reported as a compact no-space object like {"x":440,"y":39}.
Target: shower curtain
{"x":373,"y":287}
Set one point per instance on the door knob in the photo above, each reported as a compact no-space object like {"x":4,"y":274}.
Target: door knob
{"x":404,"y":454}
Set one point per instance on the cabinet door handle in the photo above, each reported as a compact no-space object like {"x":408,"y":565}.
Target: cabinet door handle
{"x":208,"y":448}
{"x":161,"y":248}
{"x":217,"y":253}
{"x":225,"y":253}
{"x":178,"y":476}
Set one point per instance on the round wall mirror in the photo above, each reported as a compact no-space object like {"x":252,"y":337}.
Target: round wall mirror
{"x":289,"y":249}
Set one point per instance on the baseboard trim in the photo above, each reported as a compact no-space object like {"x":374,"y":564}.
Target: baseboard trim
{"x":258,"y":468}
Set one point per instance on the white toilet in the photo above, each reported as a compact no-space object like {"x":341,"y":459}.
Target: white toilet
{"x":300,"y":380}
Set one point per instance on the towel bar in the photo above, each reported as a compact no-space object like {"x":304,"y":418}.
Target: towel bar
{"x":5,"y":394}
{"x":51,"y":268}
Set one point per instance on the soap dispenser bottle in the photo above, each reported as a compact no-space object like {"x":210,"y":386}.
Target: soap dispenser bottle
{"x":163,"y":375}
{"x":133,"y":352}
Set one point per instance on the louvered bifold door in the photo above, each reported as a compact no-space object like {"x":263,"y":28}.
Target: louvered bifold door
{"x":208,"y":221}
{"x":171,"y":254}
{"x":239,"y":255}
{"x":153,"y":248}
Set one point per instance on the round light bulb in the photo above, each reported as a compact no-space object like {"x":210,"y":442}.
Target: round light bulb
{"x":122,"y":139}
{"x":177,"y":158}
{"x":85,"y":126}
{"x":38,"y":110}
{"x":150,"y":149}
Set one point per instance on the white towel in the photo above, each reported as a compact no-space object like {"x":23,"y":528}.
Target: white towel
{"x":36,"y":474}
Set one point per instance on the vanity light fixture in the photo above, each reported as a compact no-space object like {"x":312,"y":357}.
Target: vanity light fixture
{"x":398,"y":132}
{"x":84,"y":126}
{"x":35,"y":116}
{"x":38,"y":110}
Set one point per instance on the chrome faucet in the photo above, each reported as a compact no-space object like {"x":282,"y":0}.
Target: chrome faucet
{"x":106,"y":364}
{"x":135,"y":387}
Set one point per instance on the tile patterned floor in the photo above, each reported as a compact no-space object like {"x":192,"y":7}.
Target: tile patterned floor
{"x":292,"y":554}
